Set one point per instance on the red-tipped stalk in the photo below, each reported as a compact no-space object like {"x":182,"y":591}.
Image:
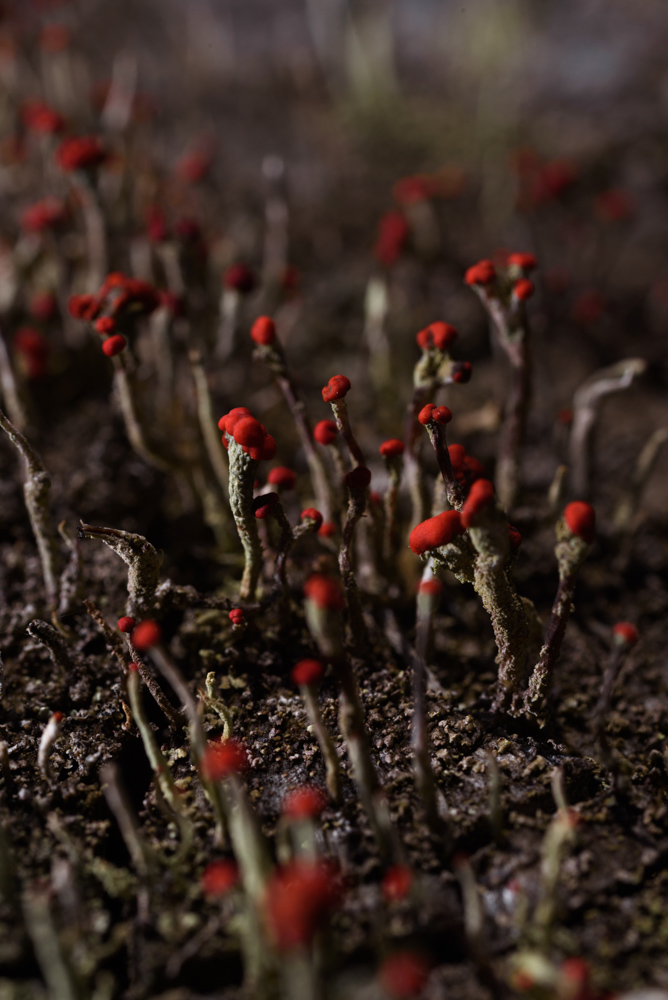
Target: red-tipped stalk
{"x":575,"y":533}
{"x":435,"y":419}
{"x":434,"y":369}
{"x":335,"y":393}
{"x":392,"y":451}
{"x":270,"y":350}
{"x":247,"y":443}
{"x":504,"y":297}
{"x":301,"y":809}
{"x":307,"y":674}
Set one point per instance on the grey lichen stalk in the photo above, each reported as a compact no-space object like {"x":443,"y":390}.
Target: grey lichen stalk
{"x":570,"y":551}
{"x":36,"y":491}
{"x":243,"y":470}
{"x":143,"y":562}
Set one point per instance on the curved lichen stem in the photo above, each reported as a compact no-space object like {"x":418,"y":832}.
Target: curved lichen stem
{"x":273,"y":357}
{"x":131,"y":420}
{"x":36,"y":491}
{"x":586,"y":405}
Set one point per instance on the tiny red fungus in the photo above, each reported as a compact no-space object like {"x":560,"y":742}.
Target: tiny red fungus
{"x":404,"y":974}
{"x":43,"y":306}
{"x":307,"y":672}
{"x":481,"y":495}
{"x":80,"y":153}
{"x":283,"y":477}
{"x":581,"y":519}
{"x":514,"y":537}
{"x":311,"y":514}
{"x":441,"y":414}
{"x":325,"y":432}
{"x":397,"y":883}
{"x":524,"y":261}
{"x":336,"y":388}
{"x":148,"y":633}
{"x":327,"y":529}
{"x":219,"y":877}
{"x":222,"y":758}
{"x":434,"y":532}
{"x":392,"y":448}
{"x":264,"y":504}
{"x":248,"y":433}
{"x":114,"y":345}
{"x":83,"y":306}
{"x":306,"y":802}
{"x":523,"y":289}
{"x":358,"y":478}
{"x":432,"y":587}
{"x":461,"y":372}
{"x":126,"y":624}
{"x":39,"y":117}
{"x":239,"y":278}
{"x":105,"y":325}
{"x":34,"y":349}
{"x":324,"y":591}
{"x":228,"y":420}
{"x":437,"y":335}
{"x":268,"y":450}
{"x":392,"y":236}
{"x":482,"y":273}
{"x":625,"y":633}
{"x":46,"y":214}
{"x":298,"y":898}
{"x":194,"y":165}
{"x":236,"y":616}
{"x":263,"y":331}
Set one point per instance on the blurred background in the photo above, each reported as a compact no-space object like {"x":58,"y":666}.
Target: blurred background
{"x":485,"y":126}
